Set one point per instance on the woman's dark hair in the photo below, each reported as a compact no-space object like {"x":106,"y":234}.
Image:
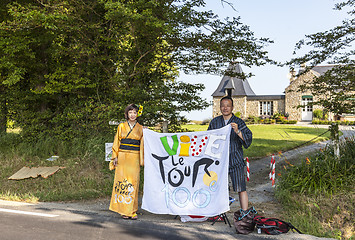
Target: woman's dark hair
{"x":227,"y":97}
{"x":129,"y":108}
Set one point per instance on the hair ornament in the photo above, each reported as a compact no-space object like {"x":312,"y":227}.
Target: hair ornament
{"x":140,"y":110}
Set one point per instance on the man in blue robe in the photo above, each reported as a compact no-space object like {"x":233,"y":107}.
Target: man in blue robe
{"x":240,"y":136}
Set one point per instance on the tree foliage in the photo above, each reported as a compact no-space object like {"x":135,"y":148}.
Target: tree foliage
{"x":68,"y":67}
{"x":334,"y":46}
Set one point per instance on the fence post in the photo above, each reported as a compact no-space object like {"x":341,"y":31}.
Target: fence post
{"x":165,"y":126}
{"x":334,"y":132}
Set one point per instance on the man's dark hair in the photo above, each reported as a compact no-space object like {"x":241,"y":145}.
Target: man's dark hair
{"x":227,"y":97}
{"x":129,"y":108}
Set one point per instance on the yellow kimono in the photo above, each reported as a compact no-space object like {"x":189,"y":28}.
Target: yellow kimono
{"x":128,"y":148}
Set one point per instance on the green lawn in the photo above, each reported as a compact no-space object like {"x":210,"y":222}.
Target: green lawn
{"x":269,"y":139}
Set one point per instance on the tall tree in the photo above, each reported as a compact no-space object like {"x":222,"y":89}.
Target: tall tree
{"x":334,"y":46}
{"x":70,"y":66}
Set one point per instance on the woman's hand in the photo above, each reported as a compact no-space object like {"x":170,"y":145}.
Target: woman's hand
{"x":115,"y":161}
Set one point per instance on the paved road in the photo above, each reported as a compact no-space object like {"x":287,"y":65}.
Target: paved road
{"x":92,"y":221}
{"x":70,"y":222}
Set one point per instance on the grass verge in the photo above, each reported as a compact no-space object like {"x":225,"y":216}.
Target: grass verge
{"x":318,"y":194}
{"x":85,"y":175}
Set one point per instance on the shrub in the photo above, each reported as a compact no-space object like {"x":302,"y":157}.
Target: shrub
{"x":264,"y":117}
{"x":277,"y":115}
{"x":206,"y":121}
{"x":315,"y":122}
{"x":288,"y":122}
{"x":238,"y":114}
{"x":325,"y":122}
{"x":252,"y":120}
{"x":280,"y":119}
{"x":318,"y":113}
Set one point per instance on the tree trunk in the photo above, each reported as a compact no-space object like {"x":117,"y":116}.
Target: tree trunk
{"x":165,"y":126}
{"x":3,"y":115}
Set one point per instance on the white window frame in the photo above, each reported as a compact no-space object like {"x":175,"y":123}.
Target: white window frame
{"x":266,"y":108}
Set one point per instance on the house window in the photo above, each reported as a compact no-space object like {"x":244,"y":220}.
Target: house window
{"x":306,"y":102}
{"x":267,"y":108}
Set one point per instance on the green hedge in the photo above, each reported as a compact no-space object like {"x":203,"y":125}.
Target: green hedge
{"x":325,"y":122}
{"x":271,"y":121}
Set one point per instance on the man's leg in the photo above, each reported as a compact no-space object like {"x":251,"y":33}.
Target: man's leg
{"x":243,"y":199}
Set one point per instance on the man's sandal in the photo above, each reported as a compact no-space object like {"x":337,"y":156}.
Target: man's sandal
{"x":125,"y":217}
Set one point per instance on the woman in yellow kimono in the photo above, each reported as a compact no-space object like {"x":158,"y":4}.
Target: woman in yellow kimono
{"x":127,"y":157}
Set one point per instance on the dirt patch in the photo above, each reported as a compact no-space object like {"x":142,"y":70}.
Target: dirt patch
{"x":260,"y":189}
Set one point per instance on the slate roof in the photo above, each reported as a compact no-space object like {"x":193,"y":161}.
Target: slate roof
{"x":320,"y":70}
{"x":266,"y":97}
{"x":239,"y":86}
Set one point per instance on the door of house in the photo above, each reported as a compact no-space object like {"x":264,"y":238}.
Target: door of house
{"x":307,"y":110}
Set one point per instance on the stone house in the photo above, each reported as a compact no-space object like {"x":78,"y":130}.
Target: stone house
{"x":249,"y":104}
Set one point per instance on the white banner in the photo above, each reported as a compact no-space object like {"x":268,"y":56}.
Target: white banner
{"x":186,"y":173}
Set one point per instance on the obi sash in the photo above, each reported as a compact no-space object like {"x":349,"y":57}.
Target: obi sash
{"x":130,"y":144}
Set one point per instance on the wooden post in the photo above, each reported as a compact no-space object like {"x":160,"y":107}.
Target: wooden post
{"x":165,"y":126}
{"x":334,"y":132}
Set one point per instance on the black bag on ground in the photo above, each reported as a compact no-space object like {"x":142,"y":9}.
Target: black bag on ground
{"x":273,"y":226}
{"x":244,"y":220}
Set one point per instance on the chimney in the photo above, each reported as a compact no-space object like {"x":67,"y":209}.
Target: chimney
{"x":303,"y":67}
{"x":292,"y":74}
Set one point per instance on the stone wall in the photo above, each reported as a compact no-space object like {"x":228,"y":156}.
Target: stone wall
{"x":215,"y":107}
{"x":240,"y":105}
{"x":293,"y":98}
{"x":253,"y":108}
{"x":279,"y":106}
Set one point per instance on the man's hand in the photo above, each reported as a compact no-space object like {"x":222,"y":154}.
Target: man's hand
{"x":235,"y":127}
{"x":236,"y":130}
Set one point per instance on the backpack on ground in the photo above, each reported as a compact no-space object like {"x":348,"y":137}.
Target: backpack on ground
{"x":273,"y":226}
